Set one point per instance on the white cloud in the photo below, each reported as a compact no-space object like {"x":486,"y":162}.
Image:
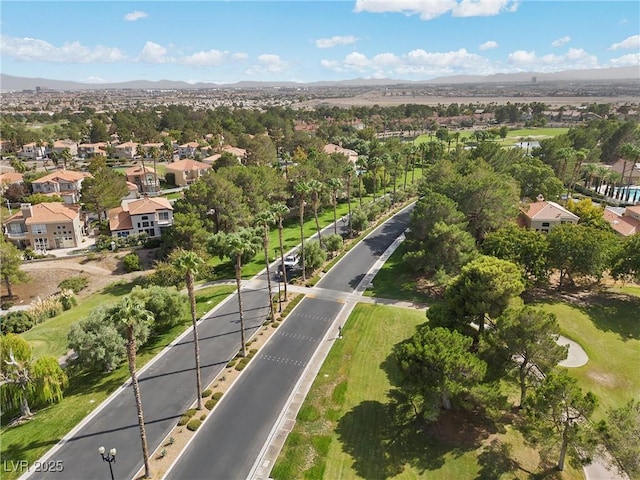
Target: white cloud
{"x":414,"y":63}
{"x":629,"y":60}
{"x":429,"y":9}
{"x":575,"y":58}
{"x":628,"y":43}
{"x":335,"y":41}
{"x":153,"y":53}
{"x":483,"y":8}
{"x":34,"y":50}
{"x":136,"y":15}
{"x":561,"y":41}
{"x":272,"y":63}
{"x":206,"y":59}
{"x":488,"y":45}
{"x":522,"y":57}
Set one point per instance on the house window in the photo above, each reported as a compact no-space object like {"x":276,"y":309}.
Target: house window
{"x":144,"y":217}
{"x":41,"y":243}
{"x":163,"y":216}
{"x":545,"y":224}
{"x":122,"y":234}
{"x":145,"y":224}
{"x":38,"y":229}
{"x":17,"y":228}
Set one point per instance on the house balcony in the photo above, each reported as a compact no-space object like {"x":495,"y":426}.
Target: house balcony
{"x":16,"y":235}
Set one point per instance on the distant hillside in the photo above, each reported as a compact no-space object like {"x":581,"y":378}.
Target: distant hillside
{"x":10,"y":82}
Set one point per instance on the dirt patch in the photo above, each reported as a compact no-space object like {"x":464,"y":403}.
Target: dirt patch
{"x":100,"y":270}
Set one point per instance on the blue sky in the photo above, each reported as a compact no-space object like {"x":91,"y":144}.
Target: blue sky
{"x":304,"y":41}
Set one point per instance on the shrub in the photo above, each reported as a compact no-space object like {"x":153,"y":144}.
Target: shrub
{"x":184,"y":420}
{"x":16,"y":322}
{"x":191,"y":412}
{"x":203,"y":416}
{"x":206,"y":393}
{"x":131,"y":262}
{"x":42,"y":309}
{"x":76,"y":284}
{"x":217,"y":396}
{"x":240,"y":366}
{"x":194,"y":424}
{"x":333,"y":242}
{"x":209,"y":404}
{"x":6,"y":305}
{"x":67,"y":299}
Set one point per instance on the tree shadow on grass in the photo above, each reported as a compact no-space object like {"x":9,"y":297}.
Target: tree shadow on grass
{"x":612,"y":312}
{"x":382,"y":439}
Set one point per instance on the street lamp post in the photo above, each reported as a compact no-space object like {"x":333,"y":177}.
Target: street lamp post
{"x":109,"y":458}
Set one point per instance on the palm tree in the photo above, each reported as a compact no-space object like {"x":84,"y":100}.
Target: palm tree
{"x":361,"y":166}
{"x":334,"y":184}
{"x":154,"y":153}
{"x":589,"y":170}
{"x":187,"y":262}
{"x":395,"y":158}
{"x":373,"y":163}
{"x":241,"y":246}
{"x":386,"y":163}
{"x":280,"y":211}
{"x":629,"y":151}
{"x":348,"y":171}
{"x":316,"y":187}
{"x":302,"y":189}
{"x":131,"y":315}
{"x":265,"y":219}
{"x":601,"y":174}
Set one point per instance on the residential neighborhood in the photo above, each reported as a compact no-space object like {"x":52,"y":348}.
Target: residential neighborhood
{"x":494,"y":239}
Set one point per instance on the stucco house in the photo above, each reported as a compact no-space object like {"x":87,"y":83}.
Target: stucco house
{"x":32,"y":151}
{"x":239,"y":153}
{"x":625,"y":221}
{"x":145,"y":178}
{"x":60,"y":146}
{"x":65,"y":183}
{"x":127,"y":150}
{"x":352,"y":155}
{"x":187,"y":171}
{"x":89,"y":150}
{"x":9,"y":178}
{"x":543,"y":216}
{"x":146,"y":215}
{"x":45,"y":226}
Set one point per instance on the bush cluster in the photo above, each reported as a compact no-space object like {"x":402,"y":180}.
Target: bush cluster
{"x":194,"y":424}
{"x":291,"y":305}
{"x":16,"y":322}
{"x":131,"y":262}
{"x":76,"y":284}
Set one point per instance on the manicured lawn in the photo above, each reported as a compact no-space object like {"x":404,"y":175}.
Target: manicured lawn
{"x":86,"y":391}
{"x":50,"y":337}
{"x":347,"y":428}
{"x":609,"y":332}
{"x":396,"y":280}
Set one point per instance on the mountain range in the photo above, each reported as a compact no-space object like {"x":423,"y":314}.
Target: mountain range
{"x":13,"y":83}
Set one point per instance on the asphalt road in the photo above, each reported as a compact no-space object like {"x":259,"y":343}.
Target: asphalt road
{"x":228,"y":444}
{"x":167,"y":389}
{"x":168,"y":384}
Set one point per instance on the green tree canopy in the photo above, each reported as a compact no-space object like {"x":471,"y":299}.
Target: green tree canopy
{"x":103,"y":191}
{"x":483,"y":290}
{"x":526,"y":248}
{"x":557,"y":414}
{"x":10,"y":262}
{"x":526,"y":339}
{"x":626,"y":260}
{"x":25,"y":381}
{"x":580,"y":251}
{"x":436,"y":365}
